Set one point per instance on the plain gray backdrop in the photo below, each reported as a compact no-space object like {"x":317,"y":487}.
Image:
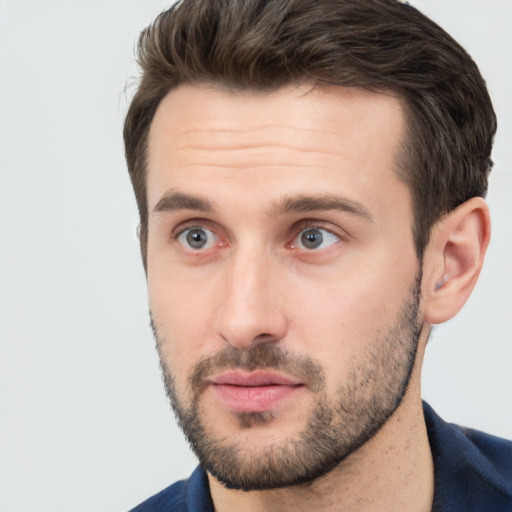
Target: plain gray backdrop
{"x":84,"y":422}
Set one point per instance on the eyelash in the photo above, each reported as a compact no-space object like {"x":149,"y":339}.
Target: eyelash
{"x":306,"y":225}
{"x":177,"y":232}
{"x":296,"y":230}
{"x":313,"y":224}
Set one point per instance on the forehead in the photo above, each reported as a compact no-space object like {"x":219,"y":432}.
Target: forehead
{"x":206,"y":137}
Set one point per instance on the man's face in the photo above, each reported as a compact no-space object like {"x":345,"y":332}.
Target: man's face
{"x":283,"y":281}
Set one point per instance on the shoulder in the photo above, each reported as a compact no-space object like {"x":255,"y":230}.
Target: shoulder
{"x":191,"y":495}
{"x":472,"y":468}
{"x":496,"y":451}
{"x":171,"y":498}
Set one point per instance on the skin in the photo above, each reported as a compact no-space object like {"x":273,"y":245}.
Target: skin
{"x":246,"y":154}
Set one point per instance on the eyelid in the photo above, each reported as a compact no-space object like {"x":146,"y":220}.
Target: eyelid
{"x":178,"y":230}
{"x":216,"y":233}
{"x":312,"y":224}
{"x":297,"y":228}
{"x":319,"y":224}
{"x":212,"y":238}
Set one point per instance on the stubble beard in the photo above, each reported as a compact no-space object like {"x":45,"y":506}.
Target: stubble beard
{"x":336,"y":427}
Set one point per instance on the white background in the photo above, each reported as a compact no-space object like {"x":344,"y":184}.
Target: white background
{"x":84,"y":422}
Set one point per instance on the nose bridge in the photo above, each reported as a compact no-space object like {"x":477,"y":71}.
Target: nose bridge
{"x":250,"y":310}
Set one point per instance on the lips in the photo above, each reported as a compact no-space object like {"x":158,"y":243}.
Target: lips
{"x":258,"y":391}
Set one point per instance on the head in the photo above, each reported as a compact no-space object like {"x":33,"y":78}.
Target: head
{"x":291,"y":161}
{"x":379,"y":45}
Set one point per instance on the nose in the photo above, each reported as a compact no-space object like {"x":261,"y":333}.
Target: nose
{"x":251,"y":308}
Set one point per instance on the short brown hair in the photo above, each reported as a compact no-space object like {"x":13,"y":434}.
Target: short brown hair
{"x":381,"y":45}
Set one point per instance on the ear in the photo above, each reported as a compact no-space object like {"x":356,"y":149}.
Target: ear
{"x":454,"y":258}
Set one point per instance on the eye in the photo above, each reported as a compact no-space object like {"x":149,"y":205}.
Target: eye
{"x":314,"y":238}
{"x":197,"y":238}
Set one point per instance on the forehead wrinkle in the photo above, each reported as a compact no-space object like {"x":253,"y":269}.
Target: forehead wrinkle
{"x":249,"y":168}
{"x":241,"y":130}
{"x":276,"y":136}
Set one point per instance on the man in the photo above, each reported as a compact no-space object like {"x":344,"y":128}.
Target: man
{"x":310,"y":180}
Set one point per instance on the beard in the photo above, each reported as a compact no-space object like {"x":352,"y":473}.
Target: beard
{"x":337,"y":426}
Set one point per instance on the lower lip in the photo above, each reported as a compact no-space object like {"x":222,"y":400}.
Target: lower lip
{"x":253,"y":399}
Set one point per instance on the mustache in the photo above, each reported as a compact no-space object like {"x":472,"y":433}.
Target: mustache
{"x":266,"y":355}
{"x":262,"y":356}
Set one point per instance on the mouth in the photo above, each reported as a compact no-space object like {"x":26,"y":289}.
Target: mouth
{"x":258,"y":391}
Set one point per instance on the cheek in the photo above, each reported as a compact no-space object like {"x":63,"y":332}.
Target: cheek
{"x":341,"y":321}
{"x":182,"y":314}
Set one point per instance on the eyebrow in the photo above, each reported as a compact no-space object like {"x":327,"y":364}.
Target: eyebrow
{"x":173,"y":200}
{"x":303,"y":204}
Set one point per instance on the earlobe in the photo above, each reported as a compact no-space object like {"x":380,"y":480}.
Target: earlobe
{"x":454,"y":258}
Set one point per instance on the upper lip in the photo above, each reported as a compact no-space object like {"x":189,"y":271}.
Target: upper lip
{"x":254,"y":379}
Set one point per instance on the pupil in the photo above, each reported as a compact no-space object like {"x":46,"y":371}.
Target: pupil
{"x":312,"y":238}
{"x":196,"y":238}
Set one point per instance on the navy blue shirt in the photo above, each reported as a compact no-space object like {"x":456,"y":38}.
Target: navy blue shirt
{"x":473,"y":472}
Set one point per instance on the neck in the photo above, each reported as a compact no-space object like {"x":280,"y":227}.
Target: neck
{"x":393,"y":471}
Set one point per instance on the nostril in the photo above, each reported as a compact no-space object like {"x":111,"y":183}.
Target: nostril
{"x":265,"y":337}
